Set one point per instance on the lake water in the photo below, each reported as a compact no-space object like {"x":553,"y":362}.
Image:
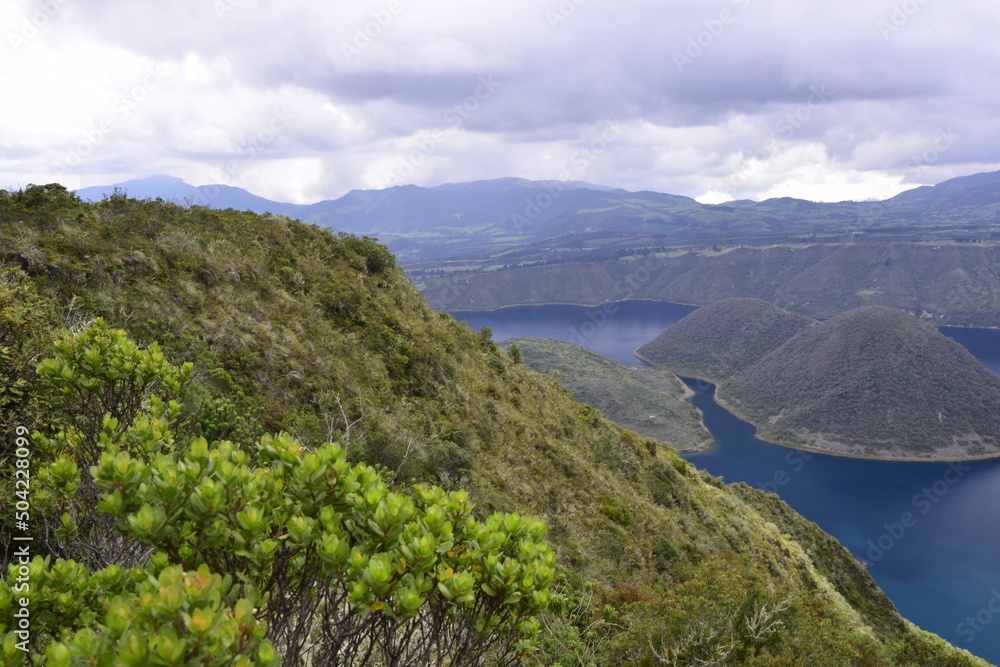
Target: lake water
{"x":929,"y":532}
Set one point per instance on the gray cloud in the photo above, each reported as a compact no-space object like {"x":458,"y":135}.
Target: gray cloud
{"x":739,"y":97}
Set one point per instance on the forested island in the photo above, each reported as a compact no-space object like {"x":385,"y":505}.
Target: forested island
{"x":872,"y":382}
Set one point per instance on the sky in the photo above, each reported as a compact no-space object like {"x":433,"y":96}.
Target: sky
{"x":305,"y":100}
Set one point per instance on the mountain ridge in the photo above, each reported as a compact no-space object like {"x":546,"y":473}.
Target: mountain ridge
{"x":725,"y":338}
{"x":495,"y":216}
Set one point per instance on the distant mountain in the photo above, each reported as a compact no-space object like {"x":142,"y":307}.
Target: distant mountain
{"x":723,"y":338}
{"x":513,"y":205}
{"x":494,"y":217}
{"x":975,"y":190}
{"x":874,"y":381}
{"x":170,"y":188}
{"x":649,"y":401}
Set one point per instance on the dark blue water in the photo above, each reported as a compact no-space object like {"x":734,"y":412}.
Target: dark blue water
{"x":929,"y":532}
{"x":614,"y":329}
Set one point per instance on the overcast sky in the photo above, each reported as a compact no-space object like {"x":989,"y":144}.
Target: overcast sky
{"x":303,"y":100}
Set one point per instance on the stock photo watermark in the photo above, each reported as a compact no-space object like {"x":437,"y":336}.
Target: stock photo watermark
{"x":627,"y":288}
{"x":900,"y":16}
{"x":712,"y":29}
{"x":796,"y":461}
{"x":34,"y":23}
{"x":98,"y":131}
{"x":944,"y":141}
{"x":250,"y":147}
{"x":596,"y":318}
{"x":916,"y":166}
{"x":924,"y":502}
{"x":21,"y":561}
{"x":786,"y":127}
{"x":970,"y":628}
{"x":364,"y":35}
{"x":579,"y":162}
{"x":563,"y":12}
{"x":455,"y":116}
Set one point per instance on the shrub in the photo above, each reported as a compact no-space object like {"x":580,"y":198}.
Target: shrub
{"x":336,"y":567}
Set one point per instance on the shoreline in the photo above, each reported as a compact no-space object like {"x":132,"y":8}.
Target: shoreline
{"x":580,"y":305}
{"x":692,"y":305}
{"x":804,"y":447}
{"x":705,"y":445}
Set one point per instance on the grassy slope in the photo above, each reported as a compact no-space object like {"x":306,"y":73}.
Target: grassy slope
{"x":958,"y":284}
{"x":648,"y":401}
{"x":293,"y":328}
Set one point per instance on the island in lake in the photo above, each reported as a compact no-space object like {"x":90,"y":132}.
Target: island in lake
{"x":871,"y":382}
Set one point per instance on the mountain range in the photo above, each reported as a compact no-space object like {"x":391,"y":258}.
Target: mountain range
{"x":496,"y":216}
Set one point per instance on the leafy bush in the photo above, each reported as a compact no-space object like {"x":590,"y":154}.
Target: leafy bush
{"x":336,"y":567}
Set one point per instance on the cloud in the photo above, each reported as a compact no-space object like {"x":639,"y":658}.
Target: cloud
{"x":736,"y":97}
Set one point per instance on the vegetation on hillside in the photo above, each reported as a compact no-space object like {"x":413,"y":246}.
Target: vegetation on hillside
{"x":723,"y":338}
{"x":874,"y":381}
{"x":879,"y":382}
{"x":208,"y":553}
{"x":215,"y":494}
{"x":649,"y":401}
{"x":953,"y":284}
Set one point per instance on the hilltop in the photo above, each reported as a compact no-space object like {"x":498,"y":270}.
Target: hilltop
{"x":877,"y":382}
{"x":646,"y":400}
{"x":723,"y":338}
{"x":874,"y":381}
{"x":291,"y":328}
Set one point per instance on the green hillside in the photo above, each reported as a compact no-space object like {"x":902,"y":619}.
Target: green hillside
{"x":873,"y":381}
{"x":290,"y":328}
{"x":723,"y":338}
{"x":955,"y":284}
{"x":646,"y":400}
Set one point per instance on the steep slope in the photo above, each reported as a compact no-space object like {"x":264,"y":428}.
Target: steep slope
{"x":724,"y":338}
{"x":646,"y":400}
{"x":956,"y":284}
{"x":290,"y":327}
{"x":873,"y":381}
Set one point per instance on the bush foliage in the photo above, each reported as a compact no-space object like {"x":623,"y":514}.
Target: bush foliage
{"x":206,"y":553}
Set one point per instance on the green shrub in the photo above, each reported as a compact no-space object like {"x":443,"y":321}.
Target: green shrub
{"x":319,"y":552}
